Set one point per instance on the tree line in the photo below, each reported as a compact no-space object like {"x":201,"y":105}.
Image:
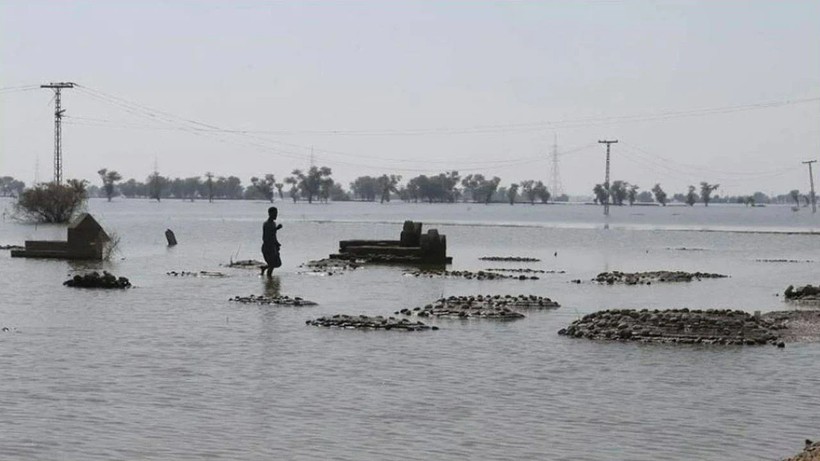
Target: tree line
{"x":317,"y":184}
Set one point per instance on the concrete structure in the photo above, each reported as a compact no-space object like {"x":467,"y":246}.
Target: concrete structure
{"x":412,"y":248}
{"x":86,"y":239}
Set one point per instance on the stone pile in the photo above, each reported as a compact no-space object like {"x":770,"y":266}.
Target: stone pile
{"x":364,"y":322}
{"x":96,"y":280}
{"x":811,"y":452}
{"x":525,"y":271}
{"x":278,"y":300}
{"x":494,"y":307}
{"x":806,"y":293}
{"x":195,"y":274}
{"x":469,"y":275}
{"x":512,"y":259}
{"x":647,"y":278}
{"x":796,"y":325}
{"x":246,"y":264}
{"x":784,"y":260}
{"x":330,"y":266}
{"x":712,"y":326}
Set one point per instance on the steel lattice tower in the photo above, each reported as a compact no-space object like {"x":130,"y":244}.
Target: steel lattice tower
{"x":58,"y":140}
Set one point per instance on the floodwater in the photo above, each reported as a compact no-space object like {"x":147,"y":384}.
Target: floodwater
{"x":171,"y":370}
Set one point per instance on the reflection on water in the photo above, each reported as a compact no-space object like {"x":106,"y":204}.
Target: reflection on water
{"x":272,"y":286}
{"x":172,"y":370}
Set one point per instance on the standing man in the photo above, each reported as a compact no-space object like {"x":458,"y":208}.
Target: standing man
{"x":270,"y":245}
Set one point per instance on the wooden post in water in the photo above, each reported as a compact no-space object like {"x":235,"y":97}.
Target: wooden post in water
{"x":172,"y":239}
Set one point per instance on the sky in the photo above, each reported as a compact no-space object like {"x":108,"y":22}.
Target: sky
{"x":726,"y":92}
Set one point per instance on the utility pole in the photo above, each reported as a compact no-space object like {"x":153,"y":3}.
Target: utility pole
{"x":606,"y":181}
{"x":811,"y":182}
{"x":556,"y":186}
{"x":58,"y":141}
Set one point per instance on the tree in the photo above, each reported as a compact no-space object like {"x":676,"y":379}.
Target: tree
{"x":365,"y":188}
{"x":479,"y":188}
{"x":512,"y":193}
{"x":190,"y":186}
{"x":601,"y":194}
{"x":795,"y":195}
{"x":293,"y":192}
{"x":618,"y":192}
{"x":528,"y":190}
{"x":310,"y":183}
{"x":156,"y":185}
{"x":541,"y":192}
{"x":264,"y":186}
{"x":388,"y":184}
{"x":660,"y":195}
{"x":338,"y":194}
{"x":109,"y":178}
{"x":706,"y":190}
{"x":52,"y":202}
{"x":691,"y":196}
{"x":11,"y":187}
{"x":645,"y":197}
{"x":209,"y":184}
{"x":632,"y":194}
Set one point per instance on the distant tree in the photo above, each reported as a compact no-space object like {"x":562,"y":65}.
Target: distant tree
{"x":760,"y":197}
{"x":749,"y":201}
{"x":264,"y":186}
{"x":279,"y":187}
{"x":310,"y":183}
{"x":644,"y":197}
{"x":601,"y":194}
{"x":632,"y":194}
{"x":619,"y":191}
{"x":512,"y":193}
{"x":486,"y":188}
{"x":541,"y":192}
{"x":439,"y":188}
{"x":388,"y":184}
{"x":51,"y":202}
{"x":795,"y":195}
{"x":660,"y":195}
{"x":156,"y":185}
{"x":365,"y":187}
{"x":338,"y":194}
{"x":11,"y":187}
{"x":190,"y":186}
{"x":209,"y":185}
{"x":691,"y":196}
{"x":706,"y":190}
{"x":528,"y":190}
{"x":293,"y":192}
{"x":109,"y":178}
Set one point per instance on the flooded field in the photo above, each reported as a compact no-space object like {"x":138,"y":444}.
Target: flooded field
{"x":171,"y":369}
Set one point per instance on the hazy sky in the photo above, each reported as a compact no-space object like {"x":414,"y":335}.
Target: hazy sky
{"x":418,"y":87}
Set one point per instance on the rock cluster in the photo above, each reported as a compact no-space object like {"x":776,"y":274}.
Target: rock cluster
{"x":806,"y":293}
{"x":712,"y":326}
{"x":97,"y":280}
{"x":646,"y":278}
{"x":525,"y":271}
{"x":469,"y":275}
{"x":784,"y":260}
{"x":246,"y":264}
{"x":195,"y":274}
{"x":330,"y":266}
{"x":796,"y":325}
{"x":515,"y":259}
{"x":364,"y":322}
{"x":494,"y":307}
{"x":811,"y":452}
{"x":278,"y":300}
